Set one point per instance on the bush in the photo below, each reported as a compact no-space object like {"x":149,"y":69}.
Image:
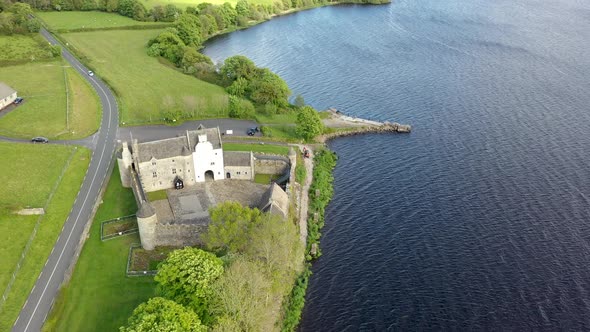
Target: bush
{"x":240,"y":108}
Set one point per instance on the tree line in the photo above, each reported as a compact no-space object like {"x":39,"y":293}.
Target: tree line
{"x":17,"y":18}
{"x":251,"y":264}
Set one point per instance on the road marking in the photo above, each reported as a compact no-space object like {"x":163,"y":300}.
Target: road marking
{"x":77,"y":218}
{"x":96,"y":171}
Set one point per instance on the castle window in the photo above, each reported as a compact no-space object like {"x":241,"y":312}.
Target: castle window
{"x":238,"y":173}
{"x":153,"y":163}
{"x":174,"y":171}
{"x":212,"y":163}
{"x":245,"y":172}
{"x":155,"y":174}
{"x":172,"y":160}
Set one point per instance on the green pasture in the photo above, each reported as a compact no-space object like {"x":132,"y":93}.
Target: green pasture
{"x":30,"y":173}
{"x":47,"y":110}
{"x":146,"y":88}
{"x":262,"y":148}
{"x":65,"y":21}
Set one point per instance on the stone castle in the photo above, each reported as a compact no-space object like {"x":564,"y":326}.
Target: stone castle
{"x":196,"y":173}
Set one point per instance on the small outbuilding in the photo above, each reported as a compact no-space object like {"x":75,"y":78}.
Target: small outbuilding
{"x":7,"y":95}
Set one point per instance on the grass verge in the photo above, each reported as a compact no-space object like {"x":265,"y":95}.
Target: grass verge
{"x":147,"y":90}
{"x":34,"y":174}
{"x":99,"y":279}
{"x":262,"y":148}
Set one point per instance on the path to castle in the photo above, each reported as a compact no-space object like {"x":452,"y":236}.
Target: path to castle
{"x":308,"y":163}
{"x":40,"y":300}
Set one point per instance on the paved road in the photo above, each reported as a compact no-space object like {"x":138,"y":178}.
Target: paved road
{"x":38,"y":304}
{"x":89,"y":142}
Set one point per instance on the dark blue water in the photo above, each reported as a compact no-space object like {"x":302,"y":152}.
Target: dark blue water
{"x":479,"y":219}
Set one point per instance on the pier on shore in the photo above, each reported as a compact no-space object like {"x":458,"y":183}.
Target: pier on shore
{"x":345,"y":125}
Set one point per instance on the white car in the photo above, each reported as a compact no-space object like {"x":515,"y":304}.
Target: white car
{"x":90,"y":73}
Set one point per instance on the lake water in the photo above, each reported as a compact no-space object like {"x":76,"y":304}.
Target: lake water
{"x":479,"y":219}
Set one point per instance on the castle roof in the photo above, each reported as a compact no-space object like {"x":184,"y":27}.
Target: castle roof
{"x":177,"y":146}
{"x":275,"y":201}
{"x":5,"y":90}
{"x":236,"y":158}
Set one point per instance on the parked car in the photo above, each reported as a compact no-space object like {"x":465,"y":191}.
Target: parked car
{"x":18,"y":100}
{"x":251,"y":132}
{"x":39,"y":140}
{"x":90,"y":73}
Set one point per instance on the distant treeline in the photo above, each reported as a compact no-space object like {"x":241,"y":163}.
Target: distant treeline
{"x":16,"y":18}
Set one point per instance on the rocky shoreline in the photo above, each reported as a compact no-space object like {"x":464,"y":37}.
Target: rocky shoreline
{"x":349,"y":126}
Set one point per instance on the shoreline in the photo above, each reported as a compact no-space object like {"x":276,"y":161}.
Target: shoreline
{"x":344,"y":125}
{"x":252,"y":24}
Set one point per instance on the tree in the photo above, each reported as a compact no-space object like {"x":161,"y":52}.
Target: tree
{"x":186,"y":277}
{"x":308,"y":123}
{"x":238,"y":87}
{"x":238,"y":66}
{"x":268,"y":87}
{"x":191,"y":57}
{"x":275,"y":243}
{"x":161,"y":315}
{"x":241,"y":298}
{"x":299,"y":101}
{"x":229,"y":226}
{"x":243,"y":8}
{"x":189,"y":29}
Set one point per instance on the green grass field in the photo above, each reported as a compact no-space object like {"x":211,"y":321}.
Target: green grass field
{"x":23,"y":48}
{"x":64,"y":21}
{"x":145,"y":87}
{"x":34,"y":173}
{"x":263,"y":148}
{"x":44,"y":112}
{"x":99,"y":297}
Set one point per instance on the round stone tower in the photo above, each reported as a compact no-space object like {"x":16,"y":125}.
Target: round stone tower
{"x":146,"y":221}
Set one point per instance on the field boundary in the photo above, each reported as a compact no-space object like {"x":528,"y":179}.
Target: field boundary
{"x":104,"y":237}
{"x":34,"y":232}
{"x":133,"y":273}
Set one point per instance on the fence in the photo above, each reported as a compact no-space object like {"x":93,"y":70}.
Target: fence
{"x":105,"y":237}
{"x":34,"y":233}
{"x":133,"y":273}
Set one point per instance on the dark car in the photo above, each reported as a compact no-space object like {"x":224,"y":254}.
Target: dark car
{"x":251,"y":132}
{"x":18,"y":100}
{"x":39,"y":140}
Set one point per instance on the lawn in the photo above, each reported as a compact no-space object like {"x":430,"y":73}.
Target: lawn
{"x":35,"y":173}
{"x":99,"y":297}
{"x":145,"y":87}
{"x":44,"y":111}
{"x":263,"y":148}
{"x":157,"y":195}
{"x":68,"y":21}
{"x":23,"y":48}
{"x":265,"y":178}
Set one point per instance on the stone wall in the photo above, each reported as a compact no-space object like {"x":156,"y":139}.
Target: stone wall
{"x":166,"y":171}
{"x":239,"y":172}
{"x":265,"y":166}
{"x":385,"y":128}
{"x":179,"y":235}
